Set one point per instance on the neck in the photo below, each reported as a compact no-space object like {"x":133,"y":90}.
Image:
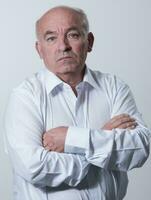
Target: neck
{"x":72,"y":79}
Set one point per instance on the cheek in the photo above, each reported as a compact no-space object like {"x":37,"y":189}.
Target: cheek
{"x":48,"y":53}
{"x":81,"y":50}
{"x":48,"y":56}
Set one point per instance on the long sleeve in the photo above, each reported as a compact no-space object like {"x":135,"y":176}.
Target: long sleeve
{"x":24,"y":129}
{"x":118,"y":149}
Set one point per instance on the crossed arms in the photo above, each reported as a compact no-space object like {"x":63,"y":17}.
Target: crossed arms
{"x":54,"y":139}
{"x":113,"y":147}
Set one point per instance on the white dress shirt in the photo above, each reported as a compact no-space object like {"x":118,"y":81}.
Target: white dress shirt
{"x":95,"y":161}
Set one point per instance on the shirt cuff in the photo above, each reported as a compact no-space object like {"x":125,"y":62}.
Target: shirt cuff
{"x":77,"y":140}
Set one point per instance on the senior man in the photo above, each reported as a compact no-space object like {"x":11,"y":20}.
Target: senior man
{"x":72,"y":133}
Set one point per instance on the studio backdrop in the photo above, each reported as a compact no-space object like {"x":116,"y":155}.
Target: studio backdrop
{"x":122,"y":46}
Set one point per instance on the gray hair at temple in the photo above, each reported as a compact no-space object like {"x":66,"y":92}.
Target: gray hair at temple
{"x":80,"y":12}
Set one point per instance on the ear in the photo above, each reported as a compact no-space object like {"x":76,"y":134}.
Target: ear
{"x":38,"y":48}
{"x":90,"y":41}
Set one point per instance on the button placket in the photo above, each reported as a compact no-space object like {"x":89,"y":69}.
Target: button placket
{"x":80,"y":115}
{"x":70,"y":98}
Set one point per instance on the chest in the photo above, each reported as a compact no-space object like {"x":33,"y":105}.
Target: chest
{"x":91,"y":109}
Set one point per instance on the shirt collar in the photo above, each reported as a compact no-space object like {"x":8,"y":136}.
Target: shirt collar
{"x":88,"y":78}
{"x":52,"y":81}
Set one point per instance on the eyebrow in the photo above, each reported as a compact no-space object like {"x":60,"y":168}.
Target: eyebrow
{"x":72,"y":29}
{"x":49,"y":32}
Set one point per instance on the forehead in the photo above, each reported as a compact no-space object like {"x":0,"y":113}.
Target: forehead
{"x":59,"y":19}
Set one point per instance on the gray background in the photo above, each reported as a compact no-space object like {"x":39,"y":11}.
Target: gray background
{"x":122,"y":30}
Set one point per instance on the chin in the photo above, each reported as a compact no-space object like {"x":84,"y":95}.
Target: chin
{"x":68,"y":69}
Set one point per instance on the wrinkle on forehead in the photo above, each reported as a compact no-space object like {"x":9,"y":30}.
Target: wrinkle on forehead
{"x":57,"y":14}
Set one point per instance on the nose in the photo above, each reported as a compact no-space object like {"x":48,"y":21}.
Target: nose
{"x":64,"y":45}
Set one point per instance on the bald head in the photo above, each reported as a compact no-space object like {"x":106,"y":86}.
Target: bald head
{"x":76,"y":12}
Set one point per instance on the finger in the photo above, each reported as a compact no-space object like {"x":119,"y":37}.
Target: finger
{"x":124,"y":123}
{"x":121,"y":121}
{"x":47,"y":148}
{"x":47,"y":139}
{"x":117,"y":117}
{"x":128,"y":125}
{"x":44,"y":142}
{"x":133,"y":127}
{"x":48,"y":133}
{"x":44,"y":135}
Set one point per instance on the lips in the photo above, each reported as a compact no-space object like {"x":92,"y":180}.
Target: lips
{"x":64,"y":58}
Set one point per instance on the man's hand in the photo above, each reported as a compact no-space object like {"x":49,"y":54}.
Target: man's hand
{"x":123,"y":121}
{"x":54,"y":139}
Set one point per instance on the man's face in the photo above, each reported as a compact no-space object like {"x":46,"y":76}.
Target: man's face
{"x":62,"y":43}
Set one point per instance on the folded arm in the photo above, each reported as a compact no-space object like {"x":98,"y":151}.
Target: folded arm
{"x":24,"y":129}
{"x":116,"y":149}
{"x":54,"y":139}
{"x":116,"y":146}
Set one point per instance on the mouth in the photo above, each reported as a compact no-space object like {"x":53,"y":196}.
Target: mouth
{"x":64,"y":58}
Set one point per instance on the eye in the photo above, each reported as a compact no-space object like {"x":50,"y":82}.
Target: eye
{"x":51,"y":38}
{"x":73,"y":35}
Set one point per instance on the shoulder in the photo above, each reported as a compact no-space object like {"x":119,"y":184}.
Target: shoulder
{"x":107,"y":80}
{"x":31,"y":86}
{"x":30,"y":91}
